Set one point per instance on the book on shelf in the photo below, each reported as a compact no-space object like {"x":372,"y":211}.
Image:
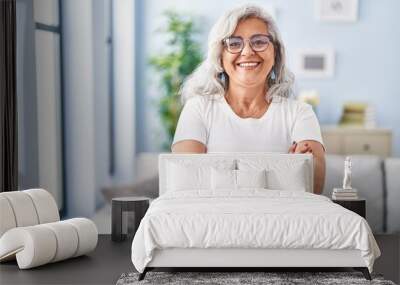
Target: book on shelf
{"x":344,"y":194}
{"x":345,"y":198}
{"x":341,"y":190}
{"x":358,"y":114}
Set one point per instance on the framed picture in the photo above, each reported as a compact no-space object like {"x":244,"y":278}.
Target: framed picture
{"x":315,"y":63}
{"x":336,"y":10}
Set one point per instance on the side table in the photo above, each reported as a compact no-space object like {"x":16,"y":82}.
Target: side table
{"x":126,"y":210}
{"x":358,"y":206}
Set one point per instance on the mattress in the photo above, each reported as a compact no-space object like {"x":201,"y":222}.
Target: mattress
{"x":250,"y":218}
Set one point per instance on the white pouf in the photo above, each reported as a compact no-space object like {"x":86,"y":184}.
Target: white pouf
{"x":32,"y":233}
{"x":37,"y":245}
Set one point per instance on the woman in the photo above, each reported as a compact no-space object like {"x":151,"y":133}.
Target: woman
{"x":238,"y":98}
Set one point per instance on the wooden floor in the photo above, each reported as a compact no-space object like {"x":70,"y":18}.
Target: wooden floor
{"x":110,"y":260}
{"x":102,"y":266}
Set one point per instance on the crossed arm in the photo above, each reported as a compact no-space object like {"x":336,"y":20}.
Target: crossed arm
{"x":306,"y":146}
{"x":318,"y":152}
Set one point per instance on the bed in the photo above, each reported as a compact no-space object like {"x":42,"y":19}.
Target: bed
{"x":247,"y":210}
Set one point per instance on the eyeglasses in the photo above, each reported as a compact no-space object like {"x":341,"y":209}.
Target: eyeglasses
{"x":257,"y":42}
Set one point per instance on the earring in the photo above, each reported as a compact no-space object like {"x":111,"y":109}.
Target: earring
{"x":273,"y":75}
{"x":223,"y":77}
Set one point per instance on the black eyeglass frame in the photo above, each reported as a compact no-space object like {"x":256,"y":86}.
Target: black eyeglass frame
{"x":225,"y":42}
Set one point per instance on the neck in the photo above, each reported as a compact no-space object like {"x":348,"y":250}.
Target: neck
{"x":246,"y":97}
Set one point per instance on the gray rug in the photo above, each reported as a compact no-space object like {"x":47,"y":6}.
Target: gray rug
{"x":228,"y":278}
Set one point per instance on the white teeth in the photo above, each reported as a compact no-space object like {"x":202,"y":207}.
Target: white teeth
{"x":248,"y":64}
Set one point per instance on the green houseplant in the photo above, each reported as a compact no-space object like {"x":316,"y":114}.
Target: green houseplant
{"x":183,"y":56}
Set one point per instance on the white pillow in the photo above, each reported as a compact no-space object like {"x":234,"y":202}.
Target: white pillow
{"x":187,"y":177}
{"x":294,"y":180}
{"x":251,"y":178}
{"x":223,"y":179}
{"x":236,"y":179}
{"x":284,"y":174}
{"x":193,"y":174}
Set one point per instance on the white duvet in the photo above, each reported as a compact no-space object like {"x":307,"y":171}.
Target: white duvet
{"x":250,"y":219}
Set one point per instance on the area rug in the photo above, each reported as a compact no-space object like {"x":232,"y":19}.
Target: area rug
{"x":273,"y":278}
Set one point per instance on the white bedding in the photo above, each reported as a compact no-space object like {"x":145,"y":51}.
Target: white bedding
{"x":251,"y":218}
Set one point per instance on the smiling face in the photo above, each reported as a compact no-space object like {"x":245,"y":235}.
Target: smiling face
{"x":249,"y":68}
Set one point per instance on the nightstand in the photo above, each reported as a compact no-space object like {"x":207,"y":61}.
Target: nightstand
{"x":127,"y":212}
{"x":358,"y":206}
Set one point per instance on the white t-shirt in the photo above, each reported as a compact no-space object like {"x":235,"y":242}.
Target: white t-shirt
{"x":214,"y":123}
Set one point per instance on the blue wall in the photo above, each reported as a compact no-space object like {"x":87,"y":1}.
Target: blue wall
{"x":366,"y":68}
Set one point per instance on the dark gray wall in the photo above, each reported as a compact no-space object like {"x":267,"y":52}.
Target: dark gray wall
{"x":26,"y":94}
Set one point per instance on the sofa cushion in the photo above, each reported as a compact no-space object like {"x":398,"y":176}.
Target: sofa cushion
{"x":392,"y":173}
{"x":367,"y":178}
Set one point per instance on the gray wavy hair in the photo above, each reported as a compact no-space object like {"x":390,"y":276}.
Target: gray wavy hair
{"x":210,"y":79}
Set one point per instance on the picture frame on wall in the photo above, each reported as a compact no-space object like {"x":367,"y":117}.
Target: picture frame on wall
{"x":315,"y":63}
{"x":336,"y":10}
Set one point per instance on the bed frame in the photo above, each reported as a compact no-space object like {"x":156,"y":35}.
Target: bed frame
{"x":241,"y":259}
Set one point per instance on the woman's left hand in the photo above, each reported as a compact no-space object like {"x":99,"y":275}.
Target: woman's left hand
{"x":318,"y":152}
{"x":300,"y":148}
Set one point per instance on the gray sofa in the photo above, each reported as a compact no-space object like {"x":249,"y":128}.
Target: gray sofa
{"x":377,"y":180}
